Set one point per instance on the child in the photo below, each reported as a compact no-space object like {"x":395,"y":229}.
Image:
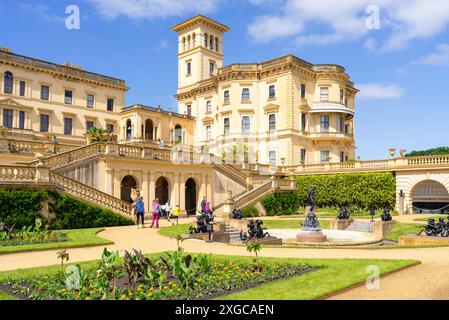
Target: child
{"x":175,"y":213}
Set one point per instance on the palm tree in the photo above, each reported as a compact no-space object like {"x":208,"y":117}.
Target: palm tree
{"x":95,"y":134}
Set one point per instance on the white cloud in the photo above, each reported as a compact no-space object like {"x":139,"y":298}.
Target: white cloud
{"x":438,"y":58}
{"x":379,"y":91}
{"x":150,"y":9}
{"x":401,"y":21}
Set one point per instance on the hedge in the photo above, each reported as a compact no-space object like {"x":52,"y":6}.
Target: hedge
{"x":250,"y":212}
{"x":361,"y":190}
{"x":281,"y":203}
{"x":21,"y":207}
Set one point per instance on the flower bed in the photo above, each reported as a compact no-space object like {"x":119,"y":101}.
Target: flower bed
{"x":170,"y":277}
{"x":29,"y":235}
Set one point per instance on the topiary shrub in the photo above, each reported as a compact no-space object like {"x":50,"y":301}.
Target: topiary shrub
{"x":21,"y":207}
{"x":281,"y":203}
{"x":71,"y":213}
{"x":250,"y":212}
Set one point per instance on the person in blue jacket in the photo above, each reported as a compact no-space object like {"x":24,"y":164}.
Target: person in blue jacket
{"x":140,"y":212}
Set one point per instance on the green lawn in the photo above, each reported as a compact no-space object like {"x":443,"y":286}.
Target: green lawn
{"x":172,"y":231}
{"x":436,"y":217}
{"x":332,"y":275}
{"x":403,"y":229}
{"x":75,"y":238}
{"x":5,"y":296}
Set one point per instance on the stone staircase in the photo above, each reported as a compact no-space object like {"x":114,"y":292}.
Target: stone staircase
{"x":361,"y":226}
{"x":234,"y":234}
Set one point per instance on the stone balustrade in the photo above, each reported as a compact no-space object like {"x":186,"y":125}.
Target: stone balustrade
{"x":10,"y":173}
{"x":27,"y":146}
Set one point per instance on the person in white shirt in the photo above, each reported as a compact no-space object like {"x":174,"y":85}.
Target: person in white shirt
{"x":168,"y":210}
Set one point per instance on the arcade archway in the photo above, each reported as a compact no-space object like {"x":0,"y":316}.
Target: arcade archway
{"x":430,"y":196}
{"x":190,"y":196}
{"x":162,"y":190}
{"x":128,"y":183}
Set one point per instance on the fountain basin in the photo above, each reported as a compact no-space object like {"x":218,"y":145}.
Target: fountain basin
{"x":333,"y":237}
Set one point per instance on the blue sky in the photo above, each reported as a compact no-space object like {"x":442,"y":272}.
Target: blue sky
{"x":401,"y":65}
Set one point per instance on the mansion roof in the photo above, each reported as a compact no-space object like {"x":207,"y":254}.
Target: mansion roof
{"x":67,"y":71}
{"x":158,"y":109}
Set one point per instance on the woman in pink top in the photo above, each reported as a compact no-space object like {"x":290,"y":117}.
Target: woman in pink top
{"x":155,"y":212}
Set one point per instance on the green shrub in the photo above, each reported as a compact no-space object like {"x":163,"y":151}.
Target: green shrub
{"x":21,"y":207}
{"x":281,"y":203}
{"x":71,"y":213}
{"x":250,"y":212}
{"x":434,"y":152}
{"x":361,"y":190}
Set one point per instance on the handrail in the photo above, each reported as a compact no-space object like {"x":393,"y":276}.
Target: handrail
{"x":90,"y":194}
{"x":15,"y":173}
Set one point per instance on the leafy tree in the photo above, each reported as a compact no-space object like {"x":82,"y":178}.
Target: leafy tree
{"x":430,"y":152}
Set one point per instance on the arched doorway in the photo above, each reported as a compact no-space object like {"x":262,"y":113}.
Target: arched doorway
{"x":178,"y":134}
{"x":190,"y":196}
{"x":149,"y":129}
{"x":162,"y":190}
{"x":430,"y":196}
{"x":127,"y":184}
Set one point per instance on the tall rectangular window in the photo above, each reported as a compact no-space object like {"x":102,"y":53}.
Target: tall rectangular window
{"x":89,"y":124}
{"x":189,"y":68}
{"x":303,"y":156}
{"x":246,"y":124}
{"x":211,"y":68}
{"x":342,"y":156}
{"x":8,"y":117}
{"x":189,"y":110}
{"x":208,"y":132}
{"x":68,"y":97}
{"x":226,"y":126}
{"x":208,"y":106}
{"x":272,"y":122}
{"x":245,"y":94}
{"x":324,"y":156}
{"x":109,"y":128}
{"x":341,"y":124}
{"x":324,"y":94}
{"x":226,"y":96}
{"x":44,"y":122}
{"x":272,"y":158}
{"x":303,"y":91}
{"x":303,"y":122}
{"x":90,"y":101}
{"x":45,"y":92}
{"x":68,"y":126}
{"x":110,"y":104}
{"x":272,"y":91}
{"x":22,"y":119}
{"x":324,"y":123}
{"x":342,"y":96}
{"x":22,"y":87}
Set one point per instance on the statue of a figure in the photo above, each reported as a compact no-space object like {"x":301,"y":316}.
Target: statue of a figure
{"x":343,"y":213}
{"x":53,"y":139}
{"x":386,"y":216}
{"x":311,"y":220}
{"x":311,"y":199}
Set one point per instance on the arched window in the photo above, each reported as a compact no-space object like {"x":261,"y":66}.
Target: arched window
{"x":184,"y":44}
{"x":194,"y":40}
{"x":216,"y":44}
{"x":8,"y":82}
{"x":149,"y":130}
{"x":178,"y":133}
{"x":188,"y":42}
{"x":205,"y":40}
{"x":211,"y":42}
{"x":129,"y":129}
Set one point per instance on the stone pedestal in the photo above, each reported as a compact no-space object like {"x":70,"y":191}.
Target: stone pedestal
{"x":311,"y":235}
{"x":340,"y":224}
{"x":381,"y":228}
{"x":273,"y":241}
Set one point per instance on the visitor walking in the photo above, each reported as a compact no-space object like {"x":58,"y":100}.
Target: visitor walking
{"x":175,"y":213}
{"x":161,"y":144}
{"x":168,"y":210}
{"x":140,"y":212}
{"x":155,"y":213}
{"x":203,"y":204}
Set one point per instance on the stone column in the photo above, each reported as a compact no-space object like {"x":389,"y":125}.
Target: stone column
{"x":108,"y":182}
{"x":182,"y":195}
{"x":117,"y":183}
{"x":176,"y":189}
{"x":209,"y":190}
{"x":145,"y":190}
{"x":152,"y":187}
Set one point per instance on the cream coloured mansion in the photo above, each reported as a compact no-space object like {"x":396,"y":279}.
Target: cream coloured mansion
{"x":239,"y":130}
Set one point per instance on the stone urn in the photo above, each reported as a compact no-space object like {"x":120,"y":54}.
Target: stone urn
{"x":135,"y":194}
{"x":40,"y":151}
{"x":392,"y":152}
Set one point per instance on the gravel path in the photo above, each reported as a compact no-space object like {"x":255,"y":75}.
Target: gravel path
{"x":430,"y":280}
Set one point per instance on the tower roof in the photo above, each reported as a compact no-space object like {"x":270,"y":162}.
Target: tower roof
{"x":200,"y":19}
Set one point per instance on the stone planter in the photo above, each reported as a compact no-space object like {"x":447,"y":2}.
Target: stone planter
{"x":135,"y":194}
